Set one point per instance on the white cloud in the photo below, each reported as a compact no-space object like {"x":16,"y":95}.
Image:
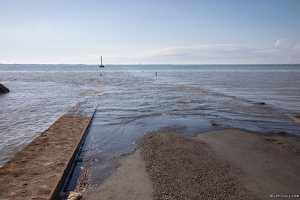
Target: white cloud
{"x":279,"y":42}
{"x":198,"y":54}
{"x":209,"y":51}
{"x":214,"y":54}
{"x":282,"y":43}
{"x":225,"y":51}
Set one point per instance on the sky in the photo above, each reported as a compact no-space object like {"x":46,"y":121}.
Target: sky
{"x":150,"y":31}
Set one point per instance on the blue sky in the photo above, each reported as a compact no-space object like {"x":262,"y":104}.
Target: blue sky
{"x":150,"y":32}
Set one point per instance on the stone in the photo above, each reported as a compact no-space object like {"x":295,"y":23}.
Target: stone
{"x":281,"y":133}
{"x":257,"y":102}
{"x":3,"y":89}
{"x":296,"y":119}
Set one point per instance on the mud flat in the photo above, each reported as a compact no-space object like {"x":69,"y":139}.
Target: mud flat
{"x":39,"y":171}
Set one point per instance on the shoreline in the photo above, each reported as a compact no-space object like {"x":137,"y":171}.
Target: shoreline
{"x":40,"y":170}
{"x":223,"y":164}
{"x":227,"y":163}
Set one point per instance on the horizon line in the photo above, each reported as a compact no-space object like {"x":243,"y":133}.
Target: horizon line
{"x":139,"y":64}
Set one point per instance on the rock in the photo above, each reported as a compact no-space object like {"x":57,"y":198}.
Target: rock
{"x":281,"y":133}
{"x":296,"y":119}
{"x":259,"y":103}
{"x":74,"y":196}
{"x":215,"y":124}
{"x":70,"y":195}
{"x":3,"y":89}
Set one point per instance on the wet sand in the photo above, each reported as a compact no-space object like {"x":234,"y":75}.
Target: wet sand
{"x":130,"y":181}
{"x":39,"y":171}
{"x":225,"y":164}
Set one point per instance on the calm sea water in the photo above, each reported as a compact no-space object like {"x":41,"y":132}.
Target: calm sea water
{"x":135,"y":100}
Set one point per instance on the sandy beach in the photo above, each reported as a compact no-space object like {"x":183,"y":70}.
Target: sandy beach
{"x":225,"y":164}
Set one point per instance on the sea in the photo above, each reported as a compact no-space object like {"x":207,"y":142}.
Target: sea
{"x":132,"y":101}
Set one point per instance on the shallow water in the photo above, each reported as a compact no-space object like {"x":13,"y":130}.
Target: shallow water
{"x":133,"y":101}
